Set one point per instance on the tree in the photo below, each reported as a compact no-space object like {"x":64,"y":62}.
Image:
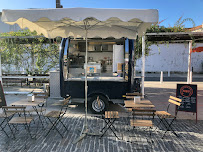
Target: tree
{"x":29,"y":50}
{"x":179,"y":26}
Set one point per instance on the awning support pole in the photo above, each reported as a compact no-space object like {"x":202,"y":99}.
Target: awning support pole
{"x":189,"y":64}
{"x":0,"y":71}
{"x":143,"y":63}
{"x":85,"y":130}
{"x":86,"y":86}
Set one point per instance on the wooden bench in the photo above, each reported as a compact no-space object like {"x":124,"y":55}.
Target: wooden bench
{"x":37,"y":81}
{"x":14,"y":80}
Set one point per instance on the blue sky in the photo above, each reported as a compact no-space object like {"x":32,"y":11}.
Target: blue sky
{"x":169,"y":10}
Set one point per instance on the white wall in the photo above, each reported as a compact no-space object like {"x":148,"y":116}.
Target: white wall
{"x":173,"y":57}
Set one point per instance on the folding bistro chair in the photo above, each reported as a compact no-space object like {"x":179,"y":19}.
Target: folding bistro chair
{"x":55,"y":117}
{"x":164,"y":116}
{"x":43,"y":95}
{"x":143,"y":123}
{"x":137,"y":122}
{"x":19,"y":119}
{"x":40,"y":108}
{"x":5,"y":119}
{"x":109,"y":118}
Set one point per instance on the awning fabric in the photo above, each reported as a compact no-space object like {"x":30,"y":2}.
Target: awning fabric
{"x":65,"y":22}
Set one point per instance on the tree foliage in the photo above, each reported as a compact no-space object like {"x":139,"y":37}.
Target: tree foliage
{"x":179,"y":26}
{"x":35,"y":53}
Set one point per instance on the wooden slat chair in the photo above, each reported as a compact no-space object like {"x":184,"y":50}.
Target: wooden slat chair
{"x":43,"y":95}
{"x":20,"y":118}
{"x":143,"y":112}
{"x":144,"y":124}
{"x":55,"y":117}
{"x":5,"y":119}
{"x":40,"y":108}
{"x":164,"y":116}
{"x":109,"y":118}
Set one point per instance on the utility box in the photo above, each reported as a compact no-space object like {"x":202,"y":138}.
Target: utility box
{"x":55,"y":84}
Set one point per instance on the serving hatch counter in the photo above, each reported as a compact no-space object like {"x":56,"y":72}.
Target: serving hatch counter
{"x":121,"y":79}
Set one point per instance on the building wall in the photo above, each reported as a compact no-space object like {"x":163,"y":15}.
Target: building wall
{"x":172,"y":57}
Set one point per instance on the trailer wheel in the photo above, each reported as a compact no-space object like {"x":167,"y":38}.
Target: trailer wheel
{"x":98,"y":104}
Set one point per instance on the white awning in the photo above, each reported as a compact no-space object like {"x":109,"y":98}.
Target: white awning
{"x":65,"y":22}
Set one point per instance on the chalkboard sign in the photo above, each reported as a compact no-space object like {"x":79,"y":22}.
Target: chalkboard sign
{"x":2,"y":96}
{"x":188,"y":94}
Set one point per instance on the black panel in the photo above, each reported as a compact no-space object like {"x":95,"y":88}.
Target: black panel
{"x":112,"y":89}
{"x":188,"y":94}
{"x":61,"y":62}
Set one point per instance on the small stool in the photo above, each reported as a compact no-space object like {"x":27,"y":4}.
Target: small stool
{"x":109,"y":118}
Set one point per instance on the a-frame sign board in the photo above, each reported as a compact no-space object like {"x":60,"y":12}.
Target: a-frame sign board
{"x":188,"y":94}
{"x":2,"y":96}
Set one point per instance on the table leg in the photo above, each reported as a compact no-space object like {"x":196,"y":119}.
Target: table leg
{"x":35,"y":108}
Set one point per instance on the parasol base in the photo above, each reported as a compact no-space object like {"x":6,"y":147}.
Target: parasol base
{"x":85,"y":133}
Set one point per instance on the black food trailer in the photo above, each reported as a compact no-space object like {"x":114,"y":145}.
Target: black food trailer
{"x":110,"y":69}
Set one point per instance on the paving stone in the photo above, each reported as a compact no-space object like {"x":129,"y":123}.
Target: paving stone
{"x":191,"y":138}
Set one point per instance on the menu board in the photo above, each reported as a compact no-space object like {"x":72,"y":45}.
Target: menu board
{"x":2,"y":96}
{"x":188,"y":94}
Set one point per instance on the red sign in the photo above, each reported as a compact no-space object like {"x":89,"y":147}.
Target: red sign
{"x":186,"y":91}
{"x":198,"y":49}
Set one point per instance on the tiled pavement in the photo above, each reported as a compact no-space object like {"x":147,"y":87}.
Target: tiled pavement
{"x":191,"y":134}
{"x":190,"y":138}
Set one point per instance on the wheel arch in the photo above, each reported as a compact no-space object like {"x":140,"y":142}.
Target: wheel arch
{"x":99,"y":93}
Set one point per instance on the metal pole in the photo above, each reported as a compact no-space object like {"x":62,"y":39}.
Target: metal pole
{"x":0,"y":71}
{"x":190,"y":77}
{"x":85,"y":129}
{"x":143,"y":63}
{"x":189,"y":62}
{"x":161,"y":77}
{"x":169,"y":73}
{"x":86,"y":86}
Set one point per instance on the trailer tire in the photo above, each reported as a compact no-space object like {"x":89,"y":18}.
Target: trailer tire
{"x":98,"y":107}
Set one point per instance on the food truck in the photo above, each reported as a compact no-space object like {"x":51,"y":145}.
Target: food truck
{"x":110,"y":71}
{"x":110,"y":63}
